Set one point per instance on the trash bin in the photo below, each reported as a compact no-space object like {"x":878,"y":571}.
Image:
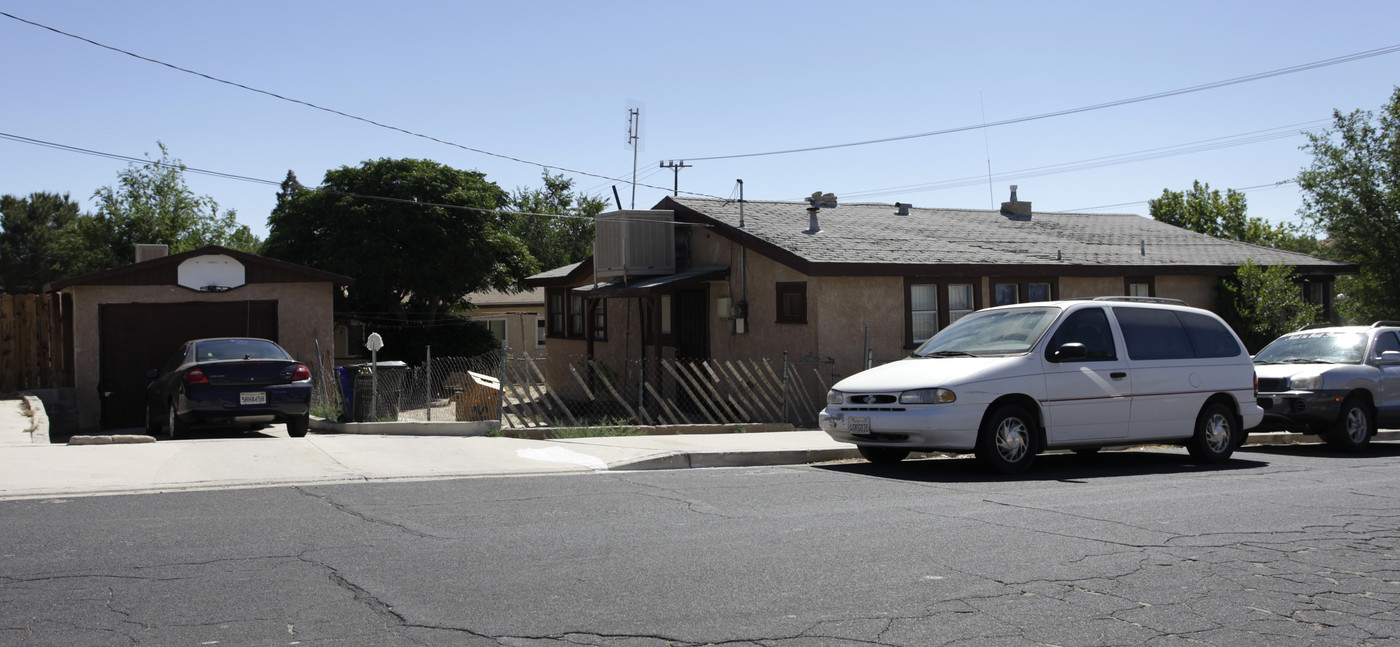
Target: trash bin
{"x":479,"y":398}
{"x":345,"y":380}
{"x":391,"y":377}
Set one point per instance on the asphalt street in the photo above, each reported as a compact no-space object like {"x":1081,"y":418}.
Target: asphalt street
{"x":1289,"y":545}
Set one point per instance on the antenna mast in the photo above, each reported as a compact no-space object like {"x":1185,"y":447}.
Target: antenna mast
{"x":634,"y":132}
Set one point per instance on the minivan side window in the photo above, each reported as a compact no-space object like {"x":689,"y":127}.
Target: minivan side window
{"x":1208,"y":336}
{"x":1153,"y":334}
{"x":1089,"y":327}
{"x":1384,"y":342}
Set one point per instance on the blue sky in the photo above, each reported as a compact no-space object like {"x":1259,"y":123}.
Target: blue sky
{"x":551,"y":82}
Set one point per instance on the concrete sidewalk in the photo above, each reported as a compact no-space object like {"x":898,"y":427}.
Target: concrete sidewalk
{"x":31,"y":467}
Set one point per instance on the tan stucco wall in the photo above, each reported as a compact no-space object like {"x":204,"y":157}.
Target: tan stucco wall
{"x":1077,"y":287}
{"x":520,"y":326}
{"x":1199,"y":291}
{"x":304,"y":315}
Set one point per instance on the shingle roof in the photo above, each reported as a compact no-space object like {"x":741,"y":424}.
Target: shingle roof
{"x":866,"y":233}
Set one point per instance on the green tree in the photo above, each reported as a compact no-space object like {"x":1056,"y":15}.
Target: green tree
{"x":38,"y":241}
{"x":1205,"y":210}
{"x":555,"y":242}
{"x":1351,"y":191}
{"x":1263,"y":302}
{"x":416,"y":235}
{"x":152,"y":204}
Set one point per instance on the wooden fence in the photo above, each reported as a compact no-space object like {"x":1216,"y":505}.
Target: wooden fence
{"x":36,"y":342}
{"x":667,"y":392}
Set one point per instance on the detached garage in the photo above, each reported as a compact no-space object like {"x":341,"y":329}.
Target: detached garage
{"x":129,"y":319}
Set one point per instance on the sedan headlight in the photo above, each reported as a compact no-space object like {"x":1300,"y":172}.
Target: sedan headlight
{"x":1305,"y":382}
{"x":927,"y":396}
{"x":835,"y":397}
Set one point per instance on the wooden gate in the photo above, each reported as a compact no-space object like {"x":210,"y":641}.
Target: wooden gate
{"x":36,"y":342}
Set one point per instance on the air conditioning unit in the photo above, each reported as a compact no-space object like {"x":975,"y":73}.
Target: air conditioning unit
{"x":634,"y":243}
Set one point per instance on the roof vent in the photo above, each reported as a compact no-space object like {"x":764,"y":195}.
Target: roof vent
{"x":901,"y":208}
{"x":1015,"y":209}
{"x":818,"y":200}
{"x":146,"y":252}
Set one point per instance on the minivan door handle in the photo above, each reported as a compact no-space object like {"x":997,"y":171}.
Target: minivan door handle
{"x":1118,"y":375}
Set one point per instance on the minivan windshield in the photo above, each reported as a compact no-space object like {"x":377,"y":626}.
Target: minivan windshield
{"x":1333,"y":347}
{"x":991,"y":332}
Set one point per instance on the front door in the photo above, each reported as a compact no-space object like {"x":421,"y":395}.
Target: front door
{"x":1086,"y":399}
{"x":692,"y":325}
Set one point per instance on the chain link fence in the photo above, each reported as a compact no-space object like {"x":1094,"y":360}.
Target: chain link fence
{"x":580,"y":393}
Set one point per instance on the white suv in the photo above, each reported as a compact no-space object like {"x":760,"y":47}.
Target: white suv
{"x":1010,"y":382}
{"x":1339,"y":382}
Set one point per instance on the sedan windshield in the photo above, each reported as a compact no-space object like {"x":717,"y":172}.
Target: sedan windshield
{"x":217,"y":349}
{"x":1314,"y":348}
{"x":991,"y":332}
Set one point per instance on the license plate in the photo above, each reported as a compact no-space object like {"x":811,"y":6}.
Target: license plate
{"x":858,"y":424}
{"x":252,"y":397}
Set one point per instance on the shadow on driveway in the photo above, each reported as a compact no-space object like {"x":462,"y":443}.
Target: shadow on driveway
{"x":1066,"y":467}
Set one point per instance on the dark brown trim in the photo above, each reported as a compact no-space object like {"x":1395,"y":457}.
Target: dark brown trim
{"x":1023,"y":287}
{"x":162,"y":271}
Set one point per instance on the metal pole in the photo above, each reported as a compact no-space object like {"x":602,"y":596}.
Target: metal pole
{"x":374,"y":386}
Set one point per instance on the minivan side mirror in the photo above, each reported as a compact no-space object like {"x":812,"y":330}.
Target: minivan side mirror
{"x":1072,"y":350}
{"x":1389,"y":358}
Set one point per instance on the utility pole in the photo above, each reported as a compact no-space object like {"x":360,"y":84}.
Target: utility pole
{"x":676,"y":167}
{"x":634,"y":132}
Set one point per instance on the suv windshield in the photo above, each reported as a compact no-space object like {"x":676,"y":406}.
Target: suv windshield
{"x":1314,"y":348}
{"x":991,"y":332}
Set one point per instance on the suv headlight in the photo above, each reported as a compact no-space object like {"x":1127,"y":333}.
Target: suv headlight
{"x":835,"y":397}
{"x":927,"y":396}
{"x":1305,"y":382}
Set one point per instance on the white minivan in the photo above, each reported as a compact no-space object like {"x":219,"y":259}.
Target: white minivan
{"x":1007,"y":383}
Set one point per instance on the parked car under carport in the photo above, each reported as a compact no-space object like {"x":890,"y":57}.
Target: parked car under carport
{"x":228,"y":381}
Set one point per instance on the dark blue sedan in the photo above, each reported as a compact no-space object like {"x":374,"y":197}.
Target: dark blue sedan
{"x":225,"y":382}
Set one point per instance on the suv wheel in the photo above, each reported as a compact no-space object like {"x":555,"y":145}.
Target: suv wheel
{"x":1006,"y":440}
{"x":1354,"y":426}
{"x":1216,"y":434}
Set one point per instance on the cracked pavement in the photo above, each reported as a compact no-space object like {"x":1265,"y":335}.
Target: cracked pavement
{"x":1285,"y":546}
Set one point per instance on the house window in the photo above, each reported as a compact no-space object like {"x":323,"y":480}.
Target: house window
{"x":540,"y":332}
{"x":1139,"y":286}
{"x":576,"y":315}
{"x":600,"y":319}
{"x":960,"y":301}
{"x":923,"y":311}
{"x":556,"y":313}
{"x":1005,"y":294}
{"x":1038,"y":292}
{"x":792,"y":303}
{"x":498,"y":330}
{"x":931,"y":305}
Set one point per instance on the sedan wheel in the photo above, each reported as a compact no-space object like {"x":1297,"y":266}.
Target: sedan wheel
{"x":177,"y":428}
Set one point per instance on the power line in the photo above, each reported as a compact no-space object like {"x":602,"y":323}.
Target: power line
{"x":325,"y":109}
{"x":1060,"y":113}
{"x":1271,"y":185}
{"x":1252,"y":137}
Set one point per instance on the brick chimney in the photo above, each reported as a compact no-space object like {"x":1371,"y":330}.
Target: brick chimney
{"x":1015,"y":209}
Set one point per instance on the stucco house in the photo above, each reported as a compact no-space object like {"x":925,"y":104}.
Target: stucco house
{"x":129,"y":319}
{"x":859,"y":283}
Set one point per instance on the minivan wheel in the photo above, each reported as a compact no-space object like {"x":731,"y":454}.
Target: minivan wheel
{"x":1216,"y":434}
{"x":883,"y":455}
{"x":1006,"y":440}
{"x":1354,"y":427}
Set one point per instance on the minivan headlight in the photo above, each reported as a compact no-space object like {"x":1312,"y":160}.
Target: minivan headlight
{"x":835,"y":397}
{"x":1311,"y":382}
{"x":927,"y":396}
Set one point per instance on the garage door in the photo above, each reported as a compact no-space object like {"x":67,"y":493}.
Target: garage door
{"x":135,"y":337}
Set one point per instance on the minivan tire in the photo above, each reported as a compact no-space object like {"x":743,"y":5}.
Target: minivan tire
{"x":882,"y":455}
{"x":1354,"y":426}
{"x":1216,"y":434}
{"x":1006,"y":442}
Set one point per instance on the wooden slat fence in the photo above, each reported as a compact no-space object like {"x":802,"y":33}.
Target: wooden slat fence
{"x":667,"y":392}
{"x":35,"y":344}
